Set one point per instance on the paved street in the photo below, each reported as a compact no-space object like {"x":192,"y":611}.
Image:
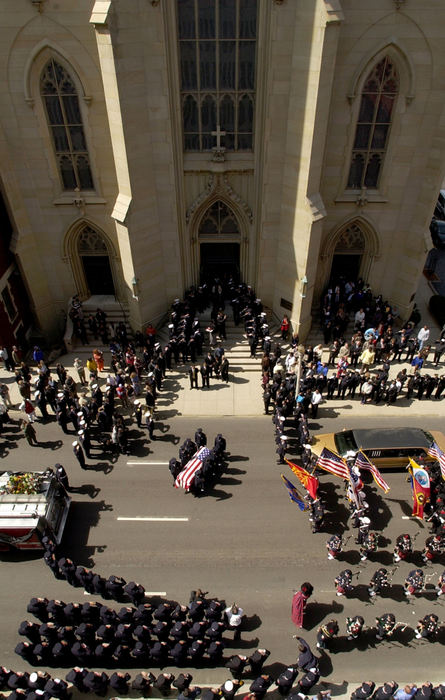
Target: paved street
{"x":245,"y":541}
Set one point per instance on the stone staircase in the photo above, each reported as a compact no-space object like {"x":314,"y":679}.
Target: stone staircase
{"x":236,"y":346}
{"x":116,"y":313}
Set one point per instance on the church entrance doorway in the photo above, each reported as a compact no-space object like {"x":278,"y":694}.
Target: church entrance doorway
{"x":348,"y":256}
{"x":345,"y":267}
{"x":96,"y":265}
{"x":219,"y":243}
{"x":98,"y":274}
{"x":219,"y":260}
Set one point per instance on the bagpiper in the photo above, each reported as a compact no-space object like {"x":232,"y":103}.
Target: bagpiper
{"x":378,"y":582}
{"x":369,"y":544}
{"x":428,"y":627}
{"x":354,"y":626}
{"x":440,"y":588}
{"x":403,"y":548}
{"x":326,"y":633}
{"x":334,"y":546}
{"x":414,"y":582}
{"x":432,"y":549}
{"x":343,"y":582}
{"x":385,"y":625}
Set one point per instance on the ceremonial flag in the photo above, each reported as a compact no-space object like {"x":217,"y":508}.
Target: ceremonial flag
{"x":187,"y":474}
{"x":309,"y":482}
{"x":420,"y":484}
{"x":331,"y":462}
{"x":293,"y":494}
{"x":436,"y":452}
{"x":363,"y":462}
{"x":354,"y":486}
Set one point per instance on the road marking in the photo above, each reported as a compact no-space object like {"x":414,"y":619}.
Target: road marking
{"x":163,"y":593}
{"x":131,"y":464}
{"x":408,"y":517}
{"x":160,"y":520}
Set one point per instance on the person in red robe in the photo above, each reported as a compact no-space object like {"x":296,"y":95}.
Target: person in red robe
{"x":299,"y":603}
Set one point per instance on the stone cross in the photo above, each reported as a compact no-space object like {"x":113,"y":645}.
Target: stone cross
{"x":218,"y":133}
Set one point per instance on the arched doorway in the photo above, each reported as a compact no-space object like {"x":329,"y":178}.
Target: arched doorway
{"x":93,"y":253}
{"x":219,"y":243}
{"x":348,"y":255}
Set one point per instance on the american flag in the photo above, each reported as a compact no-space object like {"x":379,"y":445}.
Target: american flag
{"x":436,"y":452}
{"x":363,"y":462}
{"x":331,"y":462}
{"x":186,"y":475}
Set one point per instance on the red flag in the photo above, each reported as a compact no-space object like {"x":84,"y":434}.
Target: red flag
{"x":420,"y":484}
{"x":309,"y":482}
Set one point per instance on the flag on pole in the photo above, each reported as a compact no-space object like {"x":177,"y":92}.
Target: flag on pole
{"x":435,"y":452}
{"x":420,"y":484}
{"x":362,"y":462}
{"x":355,"y":484}
{"x":309,"y":482}
{"x":293,"y":494}
{"x":331,"y":462}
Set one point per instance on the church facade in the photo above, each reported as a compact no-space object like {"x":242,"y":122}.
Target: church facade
{"x":147,"y":144}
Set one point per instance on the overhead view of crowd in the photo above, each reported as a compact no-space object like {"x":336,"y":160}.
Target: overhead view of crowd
{"x":98,"y":410}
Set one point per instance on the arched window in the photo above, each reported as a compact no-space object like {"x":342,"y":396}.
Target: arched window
{"x":217,"y":47}
{"x":218,"y":219}
{"x":59,"y":96}
{"x":377,"y":103}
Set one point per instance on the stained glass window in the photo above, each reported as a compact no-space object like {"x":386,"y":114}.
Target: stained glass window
{"x":61,"y":103}
{"x":217,"y":46}
{"x":378,"y":98}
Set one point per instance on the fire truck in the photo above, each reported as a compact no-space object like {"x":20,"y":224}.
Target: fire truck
{"x":32,"y":504}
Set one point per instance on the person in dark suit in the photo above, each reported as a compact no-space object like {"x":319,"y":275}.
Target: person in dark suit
{"x":76,"y":676}
{"x":261,"y":685}
{"x":119,"y":682}
{"x":163,"y":683}
{"x":386,"y":691}
{"x":193,"y":376}
{"x":143,"y":682}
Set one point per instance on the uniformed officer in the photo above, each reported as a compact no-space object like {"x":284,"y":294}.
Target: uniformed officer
{"x":326,"y":633}
{"x":379,"y":582}
{"x":79,"y":454}
{"x":386,"y":624}
{"x":427,"y":627}
{"x":354,"y":626}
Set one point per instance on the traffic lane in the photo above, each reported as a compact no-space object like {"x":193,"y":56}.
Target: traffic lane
{"x":264,"y":587}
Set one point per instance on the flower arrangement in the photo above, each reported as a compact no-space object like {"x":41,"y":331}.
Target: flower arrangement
{"x":23,"y":483}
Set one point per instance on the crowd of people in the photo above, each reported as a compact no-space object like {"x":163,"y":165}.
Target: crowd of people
{"x":142,"y":634}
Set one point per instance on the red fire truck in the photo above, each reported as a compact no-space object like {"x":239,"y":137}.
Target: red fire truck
{"x":31,"y":504}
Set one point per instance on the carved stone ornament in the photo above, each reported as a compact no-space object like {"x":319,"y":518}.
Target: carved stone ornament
{"x":38,"y":4}
{"x":219,"y":183}
{"x":398,"y":3}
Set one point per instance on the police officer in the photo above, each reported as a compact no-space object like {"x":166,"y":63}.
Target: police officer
{"x":79,"y":454}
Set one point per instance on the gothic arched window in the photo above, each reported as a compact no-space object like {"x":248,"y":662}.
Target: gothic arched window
{"x":217,"y":47}
{"x":219,"y":219}
{"x":59,"y":95}
{"x":378,"y":98}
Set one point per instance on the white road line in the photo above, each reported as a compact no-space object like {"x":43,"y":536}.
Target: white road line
{"x":163,"y":593}
{"x":161,"y":520}
{"x":408,"y":517}
{"x":132,"y":464}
